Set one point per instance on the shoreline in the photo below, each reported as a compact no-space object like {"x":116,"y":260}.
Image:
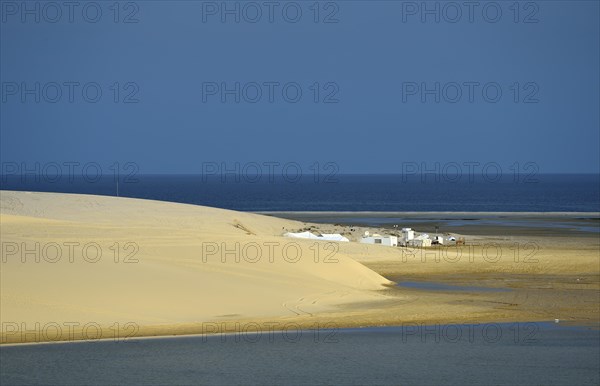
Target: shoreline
{"x":434,"y":214}
{"x":305,"y":328}
{"x":522,"y":303}
{"x":562,"y":283}
{"x":416,"y":214}
{"x":509,"y":224}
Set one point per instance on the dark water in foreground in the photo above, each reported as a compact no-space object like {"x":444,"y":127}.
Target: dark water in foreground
{"x":433,"y":286}
{"x":515,"y":354}
{"x":381,"y":193}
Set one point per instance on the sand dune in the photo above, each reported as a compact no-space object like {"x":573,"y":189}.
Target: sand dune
{"x":175,"y":264}
{"x":180,"y":268}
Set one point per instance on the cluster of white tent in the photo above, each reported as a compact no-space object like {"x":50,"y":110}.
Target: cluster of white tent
{"x":407,"y":239}
{"x":324,"y":236}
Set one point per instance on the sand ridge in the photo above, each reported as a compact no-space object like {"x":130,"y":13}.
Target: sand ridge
{"x":168,"y":268}
{"x":177,"y":263}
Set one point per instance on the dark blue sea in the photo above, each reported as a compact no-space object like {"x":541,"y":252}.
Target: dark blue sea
{"x":381,"y":193}
{"x":476,"y":354}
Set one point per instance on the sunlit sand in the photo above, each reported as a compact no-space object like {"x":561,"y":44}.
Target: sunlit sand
{"x":175,"y":269}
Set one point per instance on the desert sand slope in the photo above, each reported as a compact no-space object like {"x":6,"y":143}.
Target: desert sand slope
{"x":80,"y":258}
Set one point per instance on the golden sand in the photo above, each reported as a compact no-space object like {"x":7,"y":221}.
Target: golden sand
{"x":81,"y":267}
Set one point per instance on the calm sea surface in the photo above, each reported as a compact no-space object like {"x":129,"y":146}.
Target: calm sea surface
{"x":544,"y":193}
{"x":498,"y":354}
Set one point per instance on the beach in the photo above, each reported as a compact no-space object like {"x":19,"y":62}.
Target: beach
{"x":148,"y":268}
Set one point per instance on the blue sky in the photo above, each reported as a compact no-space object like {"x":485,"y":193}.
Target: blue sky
{"x":372,"y":61}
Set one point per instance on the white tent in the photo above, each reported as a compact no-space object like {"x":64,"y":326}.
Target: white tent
{"x":334,"y":237}
{"x":302,"y":235}
{"x":324,"y":236}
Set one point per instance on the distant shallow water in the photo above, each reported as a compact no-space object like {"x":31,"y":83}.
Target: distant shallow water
{"x":496,"y":353}
{"x":484,"y":220}
{"x":433,"y":286}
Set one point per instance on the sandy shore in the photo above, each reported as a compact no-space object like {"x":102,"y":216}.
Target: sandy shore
{"x":531,"y":224}
{"x":77,"y":267}
{"x":438,"y":215}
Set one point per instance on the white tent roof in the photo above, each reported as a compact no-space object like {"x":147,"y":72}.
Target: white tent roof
{"x":334,"y":237}
{"x":324,"y":236}
{"x":302,"y":235}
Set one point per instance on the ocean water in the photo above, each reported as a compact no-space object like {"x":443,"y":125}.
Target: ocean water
{"x":382,"y":193}
{"x":498,"y":354}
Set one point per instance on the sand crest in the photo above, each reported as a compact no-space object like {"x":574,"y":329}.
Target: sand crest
{"x":175,"y":263}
